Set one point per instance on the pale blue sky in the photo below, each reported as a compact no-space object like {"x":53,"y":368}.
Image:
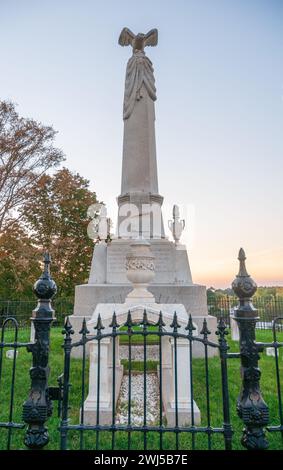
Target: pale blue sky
{"x":219,"y":113}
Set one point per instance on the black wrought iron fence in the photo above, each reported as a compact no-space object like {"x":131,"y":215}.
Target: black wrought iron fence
{"x":275,"y":346}
{"x":176,"y":420}
{"x":91,"y":419}
{"x":12,"y":346}
{"x":21,"y":311}
{"x":221,"y":307}
{"x":268,"y":309}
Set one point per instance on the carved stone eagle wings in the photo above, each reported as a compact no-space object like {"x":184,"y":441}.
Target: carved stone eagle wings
{"x":138,"y":41}
{"x":139,"y":75}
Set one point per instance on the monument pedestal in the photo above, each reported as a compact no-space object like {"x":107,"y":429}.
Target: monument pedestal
{"x":171,"y":262}
{"x":172,"y":284}
{"x":183,"y":395}
{"x":174,"y":364}
{"x":169,"y":396}
{"x":106,"y":392}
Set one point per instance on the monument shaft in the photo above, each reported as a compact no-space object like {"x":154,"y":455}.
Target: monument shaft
{"x":139,"y":169}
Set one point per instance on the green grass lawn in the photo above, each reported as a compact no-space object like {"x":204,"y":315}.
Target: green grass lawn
{"x":268,"y":385}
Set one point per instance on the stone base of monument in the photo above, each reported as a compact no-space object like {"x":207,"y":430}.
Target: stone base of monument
{"x":168,"y":372}
{"x":106,"y":380}
{"x":171,"y":262}
{"x":192,"y":296}
{"x":175,"y":353}
{"x":108,"y":283}
{"x":184,"y":413}
{"x":184,"y":404}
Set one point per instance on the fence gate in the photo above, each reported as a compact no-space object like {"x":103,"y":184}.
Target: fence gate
{"x":145,"y":432}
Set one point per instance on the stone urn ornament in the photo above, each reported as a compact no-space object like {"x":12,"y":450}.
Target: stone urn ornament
{"x":177,"y":225}
{"x":140,"y":270}
{"x":99,"y":228}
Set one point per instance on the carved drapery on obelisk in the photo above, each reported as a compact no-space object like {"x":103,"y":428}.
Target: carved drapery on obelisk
{"x":139,"y":170}
{"x":139,"y":69}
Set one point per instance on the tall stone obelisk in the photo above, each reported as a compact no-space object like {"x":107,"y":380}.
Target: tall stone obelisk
{"x":139,"y":169}
{"x":139,"y":207}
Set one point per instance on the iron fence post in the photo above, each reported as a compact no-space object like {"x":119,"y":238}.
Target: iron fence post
{"x":251,"y":407}
{"x":68,"y":331}
{"x":222,"y":332}
{"x":37,"y":408}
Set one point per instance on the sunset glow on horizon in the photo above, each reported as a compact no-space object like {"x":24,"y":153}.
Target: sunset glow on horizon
{"x":219,"y":112}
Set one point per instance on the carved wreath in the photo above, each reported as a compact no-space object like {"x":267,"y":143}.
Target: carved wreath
{"x":140,"y":264}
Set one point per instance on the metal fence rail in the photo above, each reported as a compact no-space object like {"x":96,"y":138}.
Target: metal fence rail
{"x":13,"y":344}
{"x":145,"y":428}
{"x":268,"y":310}
{"x":275,"y":344}
{"x":21,"y":311}
{"x":222,"y":307}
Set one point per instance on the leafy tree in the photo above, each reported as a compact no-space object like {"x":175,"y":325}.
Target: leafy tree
{"x":26,"y":153}
{"x":19,"y":263}
{"x":55,"y":213}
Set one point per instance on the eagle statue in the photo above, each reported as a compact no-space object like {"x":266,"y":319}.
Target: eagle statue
{"x":139,"y":74}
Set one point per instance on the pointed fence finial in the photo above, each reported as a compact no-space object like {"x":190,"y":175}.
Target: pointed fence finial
{"x":190,"y":326}
{"x":129,"y":322}
{"x":222,"y":329}
{"x":145,"y":322}
{"x":68,"y":329}
{"x":47,"y":261}
{"x":99,"y":326}
{"x":175,"y":325}
{"x":242,"y":258}
{"x":160,"y":323}
{"x":243,"y":286}
{"x":114,"y":324}
{"x":84,"y":331}
{"x":205,"y":331}
{"x":45,"y":288}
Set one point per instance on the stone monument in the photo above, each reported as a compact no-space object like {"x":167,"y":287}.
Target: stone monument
{"x":139,"y":210}
{"x":140,"y":271}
